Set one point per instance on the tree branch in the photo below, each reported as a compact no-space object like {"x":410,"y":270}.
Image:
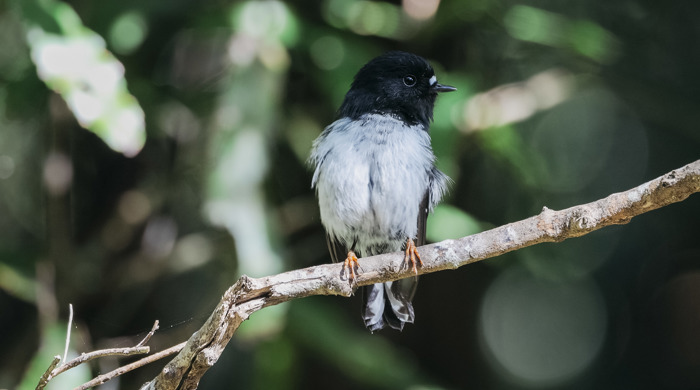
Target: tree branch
{"x":248,"y":295}
{"x":139,"y":349}
{"x":130,"y":367}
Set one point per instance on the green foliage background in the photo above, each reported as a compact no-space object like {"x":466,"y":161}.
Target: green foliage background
{"x":558,"y":103}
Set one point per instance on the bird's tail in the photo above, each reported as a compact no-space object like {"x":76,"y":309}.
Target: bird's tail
{"x":389,"y":304}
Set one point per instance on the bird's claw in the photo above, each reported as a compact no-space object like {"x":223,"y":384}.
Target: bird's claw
{"x":351,"y":264}
{"x":412,"y":256}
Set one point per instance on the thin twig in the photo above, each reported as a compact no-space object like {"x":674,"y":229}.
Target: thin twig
{"x":70,"y":325}
{"x":129,"y":367}
{"x":86,"y":357}
{"x":149,"y":335}
{"x":139,"y":349}
{"x":47,"y":374}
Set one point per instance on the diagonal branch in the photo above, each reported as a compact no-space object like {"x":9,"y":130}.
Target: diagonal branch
{"x":249,"y":295}
{"x":100,"y":379}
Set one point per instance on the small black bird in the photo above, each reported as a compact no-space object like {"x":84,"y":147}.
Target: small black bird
{"x":375,"y":175}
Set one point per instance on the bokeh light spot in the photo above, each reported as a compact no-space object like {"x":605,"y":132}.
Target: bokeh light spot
{"x":267,"y":19}
{"x":190,"y":252}
{"x":128,"y":32}
{"x":274,"y":56}
{"x":516,"y":102}
{"x":179,"y":122}
{"x":367,"y":18}
{"x":334,"y":11}
{"x":242,"y":49}
{"x":534,"y":25}
{"x":370,"y":18}
{"x":542,"y":333}
{"x":159,"y":237}
{"x":420,"y":9}
{"x":327,"y":52}
{"x":58,"y":173}
{"x":593,"y":41}
{"x":449,"y":222}
{"x":576,"y":139}
{"x":548,"y":28}
{"x":134,"y":207}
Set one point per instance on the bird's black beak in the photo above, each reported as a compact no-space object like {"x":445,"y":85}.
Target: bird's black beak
{"x":443,"y":88}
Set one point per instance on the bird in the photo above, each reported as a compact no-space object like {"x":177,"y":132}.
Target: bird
{"x":375,"y":176}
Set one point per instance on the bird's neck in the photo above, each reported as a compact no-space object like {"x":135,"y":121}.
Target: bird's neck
{"x":355,"y":105}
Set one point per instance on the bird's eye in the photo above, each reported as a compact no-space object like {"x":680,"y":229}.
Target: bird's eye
{"x":409,"y":80}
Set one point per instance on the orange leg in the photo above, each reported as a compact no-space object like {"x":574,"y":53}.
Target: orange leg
{"x":351,"y":264}
{"x":412,"y":255}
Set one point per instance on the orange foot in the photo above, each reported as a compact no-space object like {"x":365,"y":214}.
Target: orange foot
{"x":412,"y":255}
{"x":351,"y":264}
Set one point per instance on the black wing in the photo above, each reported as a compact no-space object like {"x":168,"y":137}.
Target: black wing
{"x":422,"y":219}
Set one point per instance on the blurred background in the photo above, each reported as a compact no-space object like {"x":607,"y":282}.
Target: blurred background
{"x":151,"y":152}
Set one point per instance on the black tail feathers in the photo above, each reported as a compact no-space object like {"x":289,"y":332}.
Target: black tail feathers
{"x":389,"y":304}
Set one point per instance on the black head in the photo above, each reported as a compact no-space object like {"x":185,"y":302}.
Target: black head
{"x":396,"y":83}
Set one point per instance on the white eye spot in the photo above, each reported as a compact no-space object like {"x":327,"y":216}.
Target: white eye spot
{"x":433,"y":80}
